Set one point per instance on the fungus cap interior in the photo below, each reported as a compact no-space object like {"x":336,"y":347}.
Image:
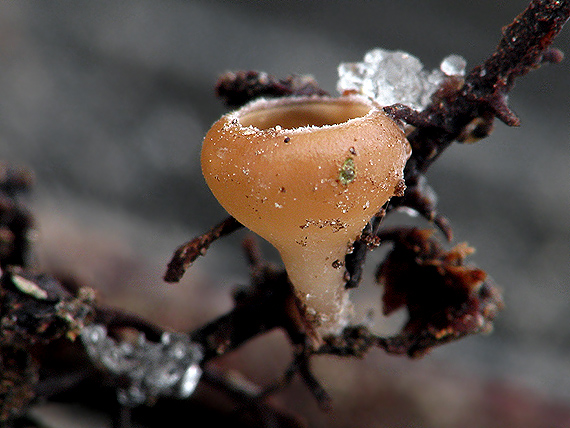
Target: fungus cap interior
{"x":300,"y":114}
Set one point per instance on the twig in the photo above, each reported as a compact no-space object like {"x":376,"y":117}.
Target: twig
{"x":237,"y":88}
{"x":187,"y":253}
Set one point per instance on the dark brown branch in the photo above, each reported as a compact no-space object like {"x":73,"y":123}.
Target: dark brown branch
{"x":116,"y":319}
{"x":258,"y":311}
{"x":354,"y":261}
{"x":525,"y":45}
{"x":268,"y":303}
{"x":465,"y":110}
{"x":187,"y":253}
{"x":445,"y":298}
{"x":250,"y":404}
{"x":237,"y":88}
{"x":301,"y":365}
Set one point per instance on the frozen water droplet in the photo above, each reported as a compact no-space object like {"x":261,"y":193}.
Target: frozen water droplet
{"x":189,"y":381}
{"x":409,"y":211}
{"x":132,"y":396}
{"x":391,"y":77}
{"x":94,"y":334}
{"x":453,"y":65}
{"x":154,"y":368}
{"x":165,"y":339}
{"x":163,"y":377}
{"x":177,"y":351}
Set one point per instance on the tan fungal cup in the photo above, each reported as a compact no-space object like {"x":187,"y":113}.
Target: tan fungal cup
{"x":307,"y":174}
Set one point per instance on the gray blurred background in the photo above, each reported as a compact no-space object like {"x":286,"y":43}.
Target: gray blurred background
{"x":108,"y":101}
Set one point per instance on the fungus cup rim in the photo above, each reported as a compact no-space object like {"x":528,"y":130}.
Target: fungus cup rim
{"x":257,"y":106}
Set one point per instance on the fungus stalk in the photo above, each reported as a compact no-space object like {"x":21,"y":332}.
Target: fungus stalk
{"x":307,"y":174}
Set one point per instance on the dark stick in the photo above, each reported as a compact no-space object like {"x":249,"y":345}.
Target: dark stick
{"x":187,"y":253}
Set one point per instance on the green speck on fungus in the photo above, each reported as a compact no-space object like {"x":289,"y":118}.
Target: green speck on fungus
{"x":347,"y":172}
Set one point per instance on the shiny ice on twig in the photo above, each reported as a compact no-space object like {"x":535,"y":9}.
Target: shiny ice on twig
{"x":170,"y":367}
{"x":391,"y":77}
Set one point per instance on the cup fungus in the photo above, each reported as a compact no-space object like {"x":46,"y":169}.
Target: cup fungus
{"x":307,"y":174}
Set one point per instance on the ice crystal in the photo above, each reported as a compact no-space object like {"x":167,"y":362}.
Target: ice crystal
{"x":170,"y":367}
{"x":453,"y":65}
{"x":391,"y":77}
